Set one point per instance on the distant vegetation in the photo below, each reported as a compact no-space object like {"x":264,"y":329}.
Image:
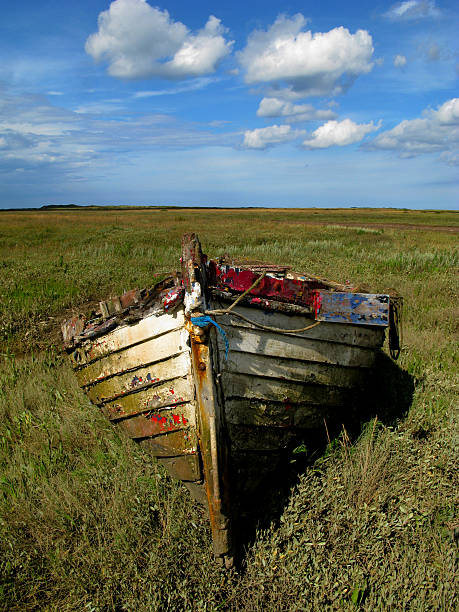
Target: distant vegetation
{"x":88,"y":522}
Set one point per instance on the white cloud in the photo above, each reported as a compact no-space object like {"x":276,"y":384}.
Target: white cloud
{"x":339,"y":133}
{"x":413,"y":9}
{"x":309,"y":64}
{"x":399,"y":61}
{"x":140,"y":41}
{"x":437,"y":131}
{"x":263,"y":138}
{"x":35,"y":133}
{"x":274,"y":107}
{"x":193,"y":85}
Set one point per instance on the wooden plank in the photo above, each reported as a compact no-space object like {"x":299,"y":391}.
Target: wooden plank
{"x":356,"y":308}
{"x":185,"y":467}
{"x":198,"y":492}
{"x":173,"y":444}
{"x":125,"y":336}
{"x":160,"y":422}
{"x":291,"y":347}
{"x":270,"y":389}
{"x":213,"y":450}
{"x":292,"y":369}
{"x":141,"y":378}
{"x":259,"y":414}
{"x":354,"y":335}
{"x":171,"y":393}
{"x":259,"y":439}
{"x":143,"y":354}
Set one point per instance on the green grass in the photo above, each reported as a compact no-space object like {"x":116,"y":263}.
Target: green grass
{"x":89,"y":522}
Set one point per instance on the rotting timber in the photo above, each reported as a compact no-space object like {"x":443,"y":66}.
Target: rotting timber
{"x":217,"y":370}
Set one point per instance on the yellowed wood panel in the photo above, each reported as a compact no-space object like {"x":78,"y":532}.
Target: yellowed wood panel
{"x":284,"y":346}
{"x":160,"y":422}
{"x":257,"y":387}
{"x":355,"y":335}
{"x":291,"y":369}
{"x":128,"y":335}
{"x":173,"y":444}
{"x":185,"y":467}
{"x":174,"y":392}
{"x":143,"y":354}
{"x":139,"y":379}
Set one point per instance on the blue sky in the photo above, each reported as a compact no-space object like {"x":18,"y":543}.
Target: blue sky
{"x":231,"y":103}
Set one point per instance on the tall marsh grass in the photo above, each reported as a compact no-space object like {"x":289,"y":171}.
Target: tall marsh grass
{"x":89,"y":522}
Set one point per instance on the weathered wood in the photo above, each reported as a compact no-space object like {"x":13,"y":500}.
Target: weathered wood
{"x":292,"y":369}
{"x":356,"y":308}
{"x":198,"y":492}
{"x":185,"y":467}
{"x":259,"y":439}
{"x":126,"y":336}
{"x":147,"y":353}
{"x":264,"y":303}
{"x":72,"y":328}
{"x":169,"y":394}
{"x":258,"y":387}
{"x":160,"y":422}
{"x":286,"y":346}
{"x":354,"y":335}
{"x":260,"y":413}
{"x":173,"y":444}
{"x":209,"y":410}
{"x":141,"y":378}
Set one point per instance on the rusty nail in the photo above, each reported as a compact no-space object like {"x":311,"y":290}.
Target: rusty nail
{"x":202,"y":366}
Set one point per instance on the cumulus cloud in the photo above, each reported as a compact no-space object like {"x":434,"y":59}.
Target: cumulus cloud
{"x":262,"y":138}
{"x":436,"y":131}
{"x":140,"y":41}
{"x":274,"y":107}
{"x":413,"y":9}
{"x":339,"y":133}
{"x":307,"y":64}
{"x":399,"y":61}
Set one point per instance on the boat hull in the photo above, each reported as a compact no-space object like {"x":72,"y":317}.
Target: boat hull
{"x":217,"y":400}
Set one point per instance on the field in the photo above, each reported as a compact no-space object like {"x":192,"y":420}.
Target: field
{"x":88,"y":522}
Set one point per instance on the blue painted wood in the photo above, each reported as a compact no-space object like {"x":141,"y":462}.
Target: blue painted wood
{"x":357,"y":308}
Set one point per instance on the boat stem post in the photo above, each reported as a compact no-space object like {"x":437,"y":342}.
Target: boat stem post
{"x":213,"y":447}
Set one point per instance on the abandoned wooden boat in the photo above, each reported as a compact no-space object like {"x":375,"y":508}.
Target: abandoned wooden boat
{"x":218,"y":368}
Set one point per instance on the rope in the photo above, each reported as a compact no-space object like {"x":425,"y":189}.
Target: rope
{"x":259,"y":279}
{"x":228,"y":310}
{"x":204,"y":322}
{"x":267,"y":327}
